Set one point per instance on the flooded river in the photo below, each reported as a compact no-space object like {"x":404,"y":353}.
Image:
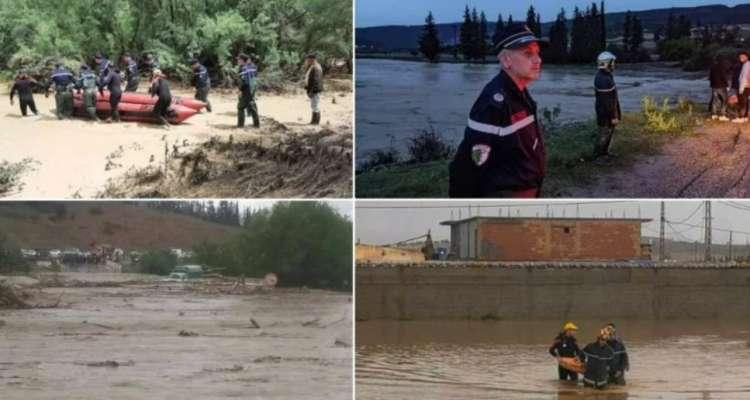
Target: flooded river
{"x":400,"y":98}
{"x":124,"y":342}
{"x":680,"y":360}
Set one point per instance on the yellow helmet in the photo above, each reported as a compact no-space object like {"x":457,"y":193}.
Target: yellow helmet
{"x":569,"y":326}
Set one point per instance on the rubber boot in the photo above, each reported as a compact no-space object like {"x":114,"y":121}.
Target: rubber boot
{"x":316,"y":118}
{"x":116,"y":116}
{"x":312,"y":118}
{"x":241,"y":118}
{"x":256,"y":119}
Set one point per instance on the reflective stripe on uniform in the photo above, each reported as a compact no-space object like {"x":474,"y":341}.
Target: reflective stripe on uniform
{"x":606,"y":90}
{"x":500,"y":130}
{"x":59,"y":74}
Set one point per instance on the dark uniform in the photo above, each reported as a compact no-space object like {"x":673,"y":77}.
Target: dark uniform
{"x":620,"y":362}
{"x":565,"y":346}
{"x":24,"y":86}
{"x":64,"y":84}
{"x":160,"y":87}
{"x":607,"y":109}
{"x":87,"y":83}
{"x":111,"y":80}
{"x":132,"y":77}
{"x":314,"y":88}
{"x":202,"y":83}
{"x":598,"y":359}
{"x":502,"y":153}
{"x":248,"y":85}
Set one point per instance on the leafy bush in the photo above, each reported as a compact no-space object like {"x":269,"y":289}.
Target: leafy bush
{"x":665,"y":119}
{"x":10,"y":257}
{"x":677,"y":49}
{"x":304,"y":243}
{"x":158,"y":262}
{"x":428,"y":145}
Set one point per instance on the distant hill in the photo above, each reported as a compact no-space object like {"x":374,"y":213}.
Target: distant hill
{"x":405,"y":38}
{"x":86,"y":224}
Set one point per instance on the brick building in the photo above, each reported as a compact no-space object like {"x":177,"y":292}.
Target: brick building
{"x":546,"y":239}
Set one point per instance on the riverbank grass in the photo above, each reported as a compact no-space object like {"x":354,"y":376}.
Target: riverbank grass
{"x":569,"y":154}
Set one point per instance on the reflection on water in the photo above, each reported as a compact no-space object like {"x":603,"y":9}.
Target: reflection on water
{"x":399,"y":98}
{"x":509,"y":360}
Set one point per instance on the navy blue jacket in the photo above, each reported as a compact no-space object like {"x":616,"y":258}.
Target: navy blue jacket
{"x":248,"y":73}
{"x":111,"y":81}
{"x":131,"y":73}
{"x":503,"y":148}
{"x":200,"y":77}
{"x":607,"y":100}
{"x":61,"y":78}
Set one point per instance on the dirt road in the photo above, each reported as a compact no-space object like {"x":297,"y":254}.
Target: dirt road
{"x":124,"y":342}
{"x":78,"y":158}
{"x":713,"y":163}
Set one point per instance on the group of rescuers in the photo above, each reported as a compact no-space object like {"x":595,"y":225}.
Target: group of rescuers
{"x":502,"y":153}
{"x":108,"y":77}
{"x":606,"y":359}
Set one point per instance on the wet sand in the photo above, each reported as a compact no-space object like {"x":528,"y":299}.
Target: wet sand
{"x":508,"y":360}
{"x":302,"y":349}
{"x":76,"y":158}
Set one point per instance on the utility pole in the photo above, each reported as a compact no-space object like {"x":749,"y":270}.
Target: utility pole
{"x":731,"y":256}
{"x":662,"y":222}
{"x":708,"y":231}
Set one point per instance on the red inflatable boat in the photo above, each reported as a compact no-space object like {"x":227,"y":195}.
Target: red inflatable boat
{"x":138,"y":107}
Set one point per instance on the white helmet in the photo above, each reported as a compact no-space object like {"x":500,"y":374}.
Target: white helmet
{"x":606,"y":60}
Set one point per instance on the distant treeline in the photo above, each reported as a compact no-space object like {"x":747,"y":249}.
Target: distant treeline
{"x":277,"y":33}
{"x":581,"y":40}
{"x":225,"y":212}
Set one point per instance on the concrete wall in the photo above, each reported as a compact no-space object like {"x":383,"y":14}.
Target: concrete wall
{"x":464,"y":290}
{"x":518,"y":239}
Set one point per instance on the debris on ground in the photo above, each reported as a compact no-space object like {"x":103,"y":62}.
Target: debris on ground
{"x":185,"y":333}
{"x":235,"y":368}
{"x":254,"y":324}
{"x":279,"y":163}
{"x":9,"y":298}
{"x":268,"y":359}
{"x":342,"y":343}
{"x":313,"y":322}
{"x":110,"y":364}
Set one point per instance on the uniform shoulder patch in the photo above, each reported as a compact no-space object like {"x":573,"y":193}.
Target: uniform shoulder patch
{"x":480,"y":153}
{"x":498,"y":97}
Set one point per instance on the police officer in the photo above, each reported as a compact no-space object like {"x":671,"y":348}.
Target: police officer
{"x":64,"y":83}
{"x":598,"y":357}
{"x":110,"y":78}
{"x":502,"y":153}
{"x":24,"y":85}
{"x":608,"y":112}
{"x":248,"y":85}
{"x":131,"y":73}
{"x":87,"y":83}
{"x":566,"y":345}
{"x":620,"y":361}
{"x":202,"y":82}
{"x":160,"y":87}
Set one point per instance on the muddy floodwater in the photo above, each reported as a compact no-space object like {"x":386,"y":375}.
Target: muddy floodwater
{"x":680,"y":360}
{"x":396,"y":99}
{"x":124,"y":342}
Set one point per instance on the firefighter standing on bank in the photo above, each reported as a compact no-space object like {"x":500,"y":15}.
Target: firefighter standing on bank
{"x":608,"y":112}
{"x":502,"y":153}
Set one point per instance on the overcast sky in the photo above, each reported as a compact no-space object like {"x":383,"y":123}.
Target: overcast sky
{"x":390,"y":225}
{"x":413,"y":12}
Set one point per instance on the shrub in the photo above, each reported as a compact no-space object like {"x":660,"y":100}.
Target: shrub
{"x":677,"y":49}
{"x":159,"y":262}
{"x":428,"y":145}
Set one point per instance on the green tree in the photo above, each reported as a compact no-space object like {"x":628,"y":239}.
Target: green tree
{"x":499,"y":28}
{"x":557,"y":52}
{"x":158,"y":262}
{"x":482,"y":48}
{"x":429,"y":43}
{"x":531,"y":21}
{"x":467,"y":35}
